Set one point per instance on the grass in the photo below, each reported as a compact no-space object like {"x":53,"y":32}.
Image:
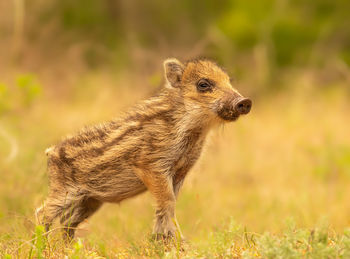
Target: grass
{"x":275,"y":184}
{"x":227,"y":241}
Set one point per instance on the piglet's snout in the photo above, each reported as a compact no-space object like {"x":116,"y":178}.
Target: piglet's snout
{"x":242,"y":105}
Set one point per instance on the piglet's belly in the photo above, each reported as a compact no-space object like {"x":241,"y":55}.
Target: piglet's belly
{"x":116,"y":187}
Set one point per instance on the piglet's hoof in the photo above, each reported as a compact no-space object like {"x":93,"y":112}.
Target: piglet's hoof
{"x":162,"y":236}
{"x":170,"y":241}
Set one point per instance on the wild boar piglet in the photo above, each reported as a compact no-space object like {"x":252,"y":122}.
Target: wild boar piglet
{"x":152,"y":147}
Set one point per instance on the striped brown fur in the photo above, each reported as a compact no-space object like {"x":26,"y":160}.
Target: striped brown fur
{"x":152,"y":147}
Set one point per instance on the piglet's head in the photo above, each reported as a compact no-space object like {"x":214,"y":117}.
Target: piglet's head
{"x":207,"y":89}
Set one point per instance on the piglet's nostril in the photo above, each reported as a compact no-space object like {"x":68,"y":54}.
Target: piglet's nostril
{"x":243,"y":106}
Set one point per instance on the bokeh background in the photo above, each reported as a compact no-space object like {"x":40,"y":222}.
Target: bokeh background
{"x":65,"y":64}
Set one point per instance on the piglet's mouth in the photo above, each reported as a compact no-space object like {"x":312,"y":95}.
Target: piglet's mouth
{"x":228,"y":115}
{"x":232,"y":110}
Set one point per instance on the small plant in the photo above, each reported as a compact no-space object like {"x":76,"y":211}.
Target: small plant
{"x":77,"y":249}
{"x":27,"y":89}
{"x":39,"y":242}
{"x":29,"y":86}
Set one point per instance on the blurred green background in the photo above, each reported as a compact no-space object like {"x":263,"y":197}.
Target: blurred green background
{"x":65,"y":64}
{"x":257,"y":40}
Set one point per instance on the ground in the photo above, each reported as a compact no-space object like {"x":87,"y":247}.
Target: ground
{"x":274,"y":184}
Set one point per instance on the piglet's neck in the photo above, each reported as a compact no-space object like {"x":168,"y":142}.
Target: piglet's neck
{"x":188,"y":119}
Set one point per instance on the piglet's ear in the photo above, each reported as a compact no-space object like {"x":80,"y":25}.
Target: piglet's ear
{"x":173,"y":70}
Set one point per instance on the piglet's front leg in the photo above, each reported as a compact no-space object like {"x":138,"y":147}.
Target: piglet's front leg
{"x":161,"y":187}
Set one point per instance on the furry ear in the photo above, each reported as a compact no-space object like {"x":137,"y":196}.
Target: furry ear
{"x":173,"y":70}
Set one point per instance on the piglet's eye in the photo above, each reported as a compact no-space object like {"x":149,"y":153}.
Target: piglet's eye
{"x":203,"y":85}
